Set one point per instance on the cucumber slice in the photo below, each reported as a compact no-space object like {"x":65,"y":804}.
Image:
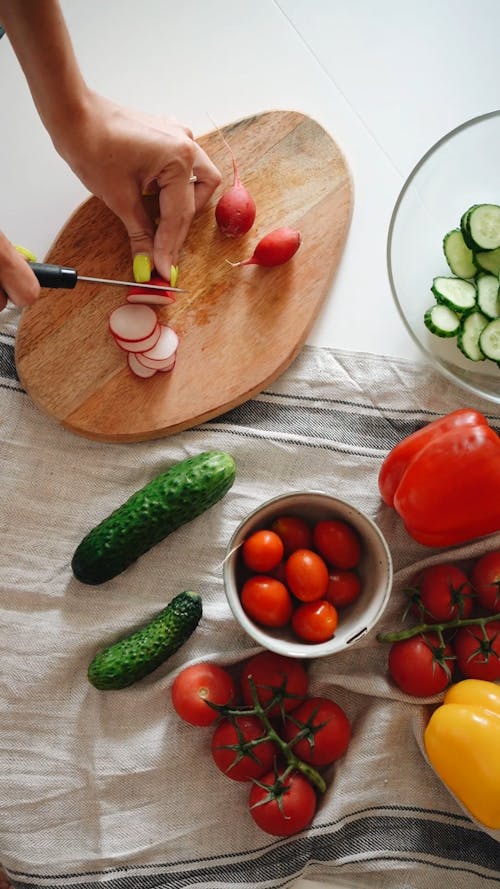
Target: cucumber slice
{"x":487,"y":295}
{"x":464,"y":226}
{"x":488,"y":261}
{"x":471,"y":328}
{"x":458,"y":255}
{"x":456,"y":293}
{"x":442,"y":321}
{"x":489,"y":340}
{"x":483,"y":226}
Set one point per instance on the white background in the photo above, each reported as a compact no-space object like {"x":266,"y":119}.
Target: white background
{"x":386,"y":79}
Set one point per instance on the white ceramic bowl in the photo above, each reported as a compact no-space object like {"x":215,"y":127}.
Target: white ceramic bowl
{"x":458,"y":171}
{"x":375,"y":569}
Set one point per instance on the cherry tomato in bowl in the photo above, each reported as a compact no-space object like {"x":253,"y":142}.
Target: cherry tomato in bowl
{"x":263,"y":550}
{"x":315,"y":621}
{"x":267,"y":600}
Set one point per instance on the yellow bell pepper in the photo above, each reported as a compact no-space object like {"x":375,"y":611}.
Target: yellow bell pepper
{"x":462,"y":741}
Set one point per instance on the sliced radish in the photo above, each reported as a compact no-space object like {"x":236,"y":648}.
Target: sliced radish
{"x":150,"y":298}
{"x":139,"y":345}
{"x":140,"y":294}
{"x":168,"y":366}
{"x":165,"y":349}
{"x":138,"y":369}
{"x":133,"y":323}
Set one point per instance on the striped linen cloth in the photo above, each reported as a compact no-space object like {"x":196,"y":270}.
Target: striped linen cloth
{"x":111,"y":788}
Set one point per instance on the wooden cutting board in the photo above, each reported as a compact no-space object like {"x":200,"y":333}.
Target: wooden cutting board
{"x":239,"y":328}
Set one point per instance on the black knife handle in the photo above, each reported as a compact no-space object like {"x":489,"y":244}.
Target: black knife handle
{"x":54,"y":275}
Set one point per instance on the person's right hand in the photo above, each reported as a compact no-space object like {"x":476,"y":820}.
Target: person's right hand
{"x":17,"y":281}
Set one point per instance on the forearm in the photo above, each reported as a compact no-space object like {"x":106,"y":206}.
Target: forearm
{"x":37,"y":32}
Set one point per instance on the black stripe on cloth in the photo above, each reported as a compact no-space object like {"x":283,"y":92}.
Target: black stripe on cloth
{"x":400,"y":834}
{"x":7,"y":362}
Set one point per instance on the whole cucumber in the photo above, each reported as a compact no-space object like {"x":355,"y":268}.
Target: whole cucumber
{"x":171,"y":499}
{"x":138,"y":654}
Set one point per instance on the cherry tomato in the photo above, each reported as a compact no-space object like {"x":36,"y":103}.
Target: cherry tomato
{"x":196,"y":685}
{"x":478,"y":651}
{"x":306,"y":575}
{"x":262,"y":551}
{"x":328,"y":731}
{"x":418,"y":667}
{"x":274,"y":674}
{"x":315,"y":621}
{"x":267,"y":601}
{"x":338,"y":543}
{"x":485,"y":579}
{"x":343,"y":588}
{"x":294,"y":532}
{"x":235,"y":752}
{"x":283,"y":806}
{"x":443,"y":593}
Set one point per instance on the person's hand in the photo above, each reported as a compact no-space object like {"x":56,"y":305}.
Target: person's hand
{"x":119,"y":154}
{"x":17,"y":281}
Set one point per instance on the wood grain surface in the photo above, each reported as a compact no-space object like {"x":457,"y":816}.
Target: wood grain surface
{"x":239,"y":328}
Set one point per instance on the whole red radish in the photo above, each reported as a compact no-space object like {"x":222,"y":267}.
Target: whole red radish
{"x":235,"y":210}
{"x":274,"y":249}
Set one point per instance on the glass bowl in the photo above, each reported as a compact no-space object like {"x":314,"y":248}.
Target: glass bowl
{"x":460,"y":170}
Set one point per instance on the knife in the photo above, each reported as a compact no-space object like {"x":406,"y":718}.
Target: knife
{"x":60,"y":276}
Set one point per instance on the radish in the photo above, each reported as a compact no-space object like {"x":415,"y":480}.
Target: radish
{"x":138,"y":369}
{"x":161,"y":355}
{"x":235,"y":210}
{"x":138,"y":294}
{"x":132,"y":323}
{"x":142,"y":345}
{"x":273,"y":249}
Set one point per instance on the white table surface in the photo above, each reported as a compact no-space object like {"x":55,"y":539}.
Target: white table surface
{"x":386,"y":79}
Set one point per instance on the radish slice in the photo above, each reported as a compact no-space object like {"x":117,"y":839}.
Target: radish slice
{"x":139,"y":294}
{"x":170,"y":366}
{"x":139,"y":345}
{"x":152,"y":298}
{"x":138,"y":369}
{"x":133,"y":323}
{"x":162,"y":353}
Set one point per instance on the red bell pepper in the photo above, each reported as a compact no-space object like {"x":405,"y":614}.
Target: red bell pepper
{"x":444,"y":480}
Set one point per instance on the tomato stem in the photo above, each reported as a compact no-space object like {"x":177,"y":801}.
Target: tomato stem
{"x":292,"y":761}
{"x":417,"y":630}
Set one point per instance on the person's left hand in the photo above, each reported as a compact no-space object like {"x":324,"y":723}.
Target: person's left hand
{"x":119,"y":154}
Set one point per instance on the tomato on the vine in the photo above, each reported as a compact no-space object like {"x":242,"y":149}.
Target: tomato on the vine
{"x":485,"y":579}
{"x":197,"y":684}
{"x":262,"y":551}
{"x":274,"y":675}
{"x":338,"y":543}
{"x":282,"y":806}
{"x":315,"y":621}
{"x":306,"y":575}
{"x":421,"y":665}
{"x":442,"y":593}
{"x":294,"y":532}
{"x":266,"y":600}
{"x":235,"y":752}
{"x":327,"y":731}
{"x":477,"y":650}
{"x":343,"y":588}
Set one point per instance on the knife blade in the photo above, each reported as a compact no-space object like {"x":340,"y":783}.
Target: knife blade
{"x":59,"y":276}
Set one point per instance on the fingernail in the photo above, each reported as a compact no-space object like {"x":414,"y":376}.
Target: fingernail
{"x":174,"y":274}
{"x":142,"y":268}
{"x":25,"y":252}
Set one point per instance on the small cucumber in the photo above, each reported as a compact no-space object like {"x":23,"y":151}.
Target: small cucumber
{"x":138,"y":654}
{"x":168,"y":501}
